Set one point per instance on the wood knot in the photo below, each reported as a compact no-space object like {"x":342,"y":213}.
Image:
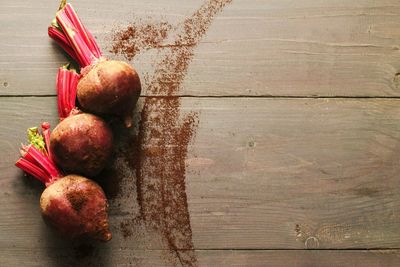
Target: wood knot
{"x":297,"y":230}
{"x":5,"y":84}
{"x":396,"y":80}
{"x":251,"y":144}
{"x":311,"y":243}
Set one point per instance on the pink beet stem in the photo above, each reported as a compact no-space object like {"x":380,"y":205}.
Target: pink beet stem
{"x":43,"y":162}
{"x":59,"y":37}
{"x":73,"y":85}
{"x":27,"y":156}
{"x":67,"y":82}
{"x":86,"y":35}
{"x":33,"y":170}
{"x":46,"y":135}
{"x":37,"y":163}
{"x":80,"y":39}
{"x":60,"y":84}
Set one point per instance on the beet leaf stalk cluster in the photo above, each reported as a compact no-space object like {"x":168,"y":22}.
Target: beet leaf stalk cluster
{"x":36,"y":156}
{"x":69,"y":32}
{"x":105,"y":87}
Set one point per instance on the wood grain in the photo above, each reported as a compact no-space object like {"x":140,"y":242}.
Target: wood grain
{"x":262,"y":174}
{"x":237,"y":258}
{"x":299,"y":258}
{"x":294,"y":180}
{"x":295,"y":174}
{"x":280,"y":48}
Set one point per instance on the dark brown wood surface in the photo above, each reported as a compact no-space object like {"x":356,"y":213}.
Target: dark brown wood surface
{"x":235,"y":258}
{"x":306,"y":48}
{"x":296,"y":157}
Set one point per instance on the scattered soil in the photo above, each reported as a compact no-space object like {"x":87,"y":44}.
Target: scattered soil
{"x":139,"y":36}
{"x":157,"y":153}
{"x":126,"y":229}
{"x":77,"y":200}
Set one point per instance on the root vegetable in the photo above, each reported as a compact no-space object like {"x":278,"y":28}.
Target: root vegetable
{"x":81,"y":143}
{"x":107,"y":87}
{"x":74,"y":205}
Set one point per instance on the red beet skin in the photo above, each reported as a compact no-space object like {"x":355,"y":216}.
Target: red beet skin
{"x":82,"y":144}
{"x":109,"y":87}
{"x":76,"y":207}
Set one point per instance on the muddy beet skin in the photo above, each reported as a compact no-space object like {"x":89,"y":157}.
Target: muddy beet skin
{"x":109,"y":87}
{"x":77,"y":208}
{"x":81,"y":144}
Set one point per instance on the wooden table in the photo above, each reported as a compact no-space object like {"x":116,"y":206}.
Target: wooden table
{"x":295,"y":160}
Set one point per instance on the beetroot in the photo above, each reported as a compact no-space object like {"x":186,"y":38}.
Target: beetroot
{"x":74,"y":205}
{"x":107,"y":87}
{"x":81,"y":143}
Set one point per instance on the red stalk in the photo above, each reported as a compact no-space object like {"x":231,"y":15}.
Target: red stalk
{"x":27,"y":156}
{"x":59,"y":37}
{"x":44,"y":162}
{"x":67,"y":82}
{"x":33,"y":170}
{"x":46,"y":136}
{"x":73,"y":85}
{"x":37,"y":163}
{"x":79,"y":38}
{"x":86,"y":35}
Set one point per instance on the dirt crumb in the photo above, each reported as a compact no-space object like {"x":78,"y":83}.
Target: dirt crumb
{"x":161,"y":145}
{"x":77,"y":199}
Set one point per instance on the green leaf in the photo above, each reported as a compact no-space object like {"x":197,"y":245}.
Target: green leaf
{"x":62,"y":4}
{"x":36,"y":139}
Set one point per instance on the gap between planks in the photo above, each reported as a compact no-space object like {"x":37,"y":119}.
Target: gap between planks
{"x":298,"y":249}
{"x":233,"y":96}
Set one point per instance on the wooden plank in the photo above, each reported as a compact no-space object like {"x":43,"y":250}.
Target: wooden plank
{"x":303,"y":258}
{"x":306,"y":48}
{"x":144,"y":258}
{"x":261,"y":174}
{"x":295,"y":174}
